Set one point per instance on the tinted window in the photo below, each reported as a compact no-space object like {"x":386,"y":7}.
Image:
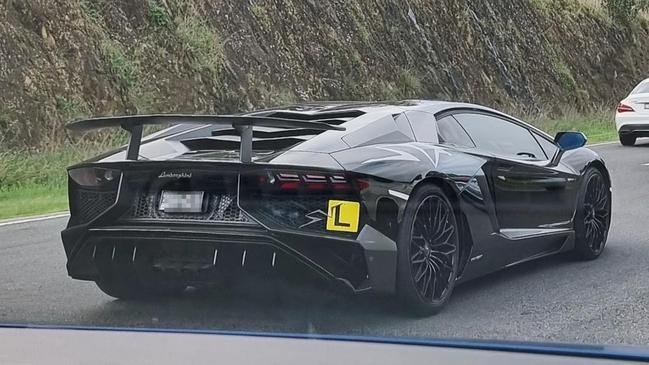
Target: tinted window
{"x":452,"y":133}
{"x":548,"y":146}
{"x":500,"y":136}
{"x":423,"y":124}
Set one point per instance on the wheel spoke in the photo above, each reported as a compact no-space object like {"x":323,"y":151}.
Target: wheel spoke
{"x":422,"y":228}
{"x":434,"y":287}
{"x":433,"y":248}
{"x":421,"y":271}
{"x":427,"y":278}
{"x":418,"y":242}
{"x":443,"y":223}
{"x":596,"y":212}
{"x":438,"y":261}
{"x":445,"y":254}
{"x":446,"y":234}
{"x":418,"y":257}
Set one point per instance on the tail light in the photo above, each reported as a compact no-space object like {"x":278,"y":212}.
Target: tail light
{"x":310,"y":182}
{"x":94,"y":177}
{"x":299,"y":200}
{"x":623,"y":108}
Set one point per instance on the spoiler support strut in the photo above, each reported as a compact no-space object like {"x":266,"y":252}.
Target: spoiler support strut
{"x":245,"y":148}
{"x":243,"y":124}
{"x":134,"y":141}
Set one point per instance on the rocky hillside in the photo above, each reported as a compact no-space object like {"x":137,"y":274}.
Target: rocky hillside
{"x":62,"y":59}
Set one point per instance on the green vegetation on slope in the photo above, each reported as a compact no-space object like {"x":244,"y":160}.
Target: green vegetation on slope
{"x":598,"y":126}
{"x":61,"y":60}
{"x":65,"y":59}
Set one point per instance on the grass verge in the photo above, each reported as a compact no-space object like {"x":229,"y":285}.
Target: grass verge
{"x":598,"y":127}
{"x":33,"y":200}
{"x":35,"y":182}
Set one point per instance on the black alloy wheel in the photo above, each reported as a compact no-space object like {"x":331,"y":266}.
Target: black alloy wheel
{"x":428,"y":251}
{"x":593,"y":216}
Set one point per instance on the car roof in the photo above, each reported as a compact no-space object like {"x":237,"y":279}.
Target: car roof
{"x":326,"y":109}
{"x":347,"y":110}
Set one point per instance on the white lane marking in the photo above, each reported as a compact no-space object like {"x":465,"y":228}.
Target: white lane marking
{"x":601,"y":144}
{"x":398,"y":194}
{"x":35,"y":219}
{"x":645,"y":164}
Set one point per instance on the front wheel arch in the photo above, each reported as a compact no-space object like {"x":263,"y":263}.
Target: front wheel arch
{"x":599,"y":165}
{"x":590,"y":211}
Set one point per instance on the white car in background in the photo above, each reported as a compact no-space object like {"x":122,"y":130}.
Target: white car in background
{"x":632,"y":116}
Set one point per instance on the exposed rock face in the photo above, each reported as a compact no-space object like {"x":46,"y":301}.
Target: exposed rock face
{"x":63,"y":59}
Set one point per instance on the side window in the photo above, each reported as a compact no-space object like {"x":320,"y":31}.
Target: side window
{"x":548,"y":147}
{"x":500,"y":136}
{"x":451,"y":132}
{"x":423,"y":124}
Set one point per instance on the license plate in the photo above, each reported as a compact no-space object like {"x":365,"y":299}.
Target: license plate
{"x":181,"y":201}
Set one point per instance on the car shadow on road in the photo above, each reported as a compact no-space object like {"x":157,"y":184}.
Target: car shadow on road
{"x":276,"y":306}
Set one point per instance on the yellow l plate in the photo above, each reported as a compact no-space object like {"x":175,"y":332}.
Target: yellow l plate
{"x":343,"y":216}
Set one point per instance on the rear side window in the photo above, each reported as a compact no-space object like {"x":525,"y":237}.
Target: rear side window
{"x":423,"y":124}
{"x":451,"y":132}
{"x":500,"y":136}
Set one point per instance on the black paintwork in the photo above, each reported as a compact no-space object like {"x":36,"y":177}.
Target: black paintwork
{"x":510,"y":210}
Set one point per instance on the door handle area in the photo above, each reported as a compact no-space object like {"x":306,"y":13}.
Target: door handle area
{"x":505,"y":168}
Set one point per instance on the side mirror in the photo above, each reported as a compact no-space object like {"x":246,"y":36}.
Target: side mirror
{"x":570,"y":140}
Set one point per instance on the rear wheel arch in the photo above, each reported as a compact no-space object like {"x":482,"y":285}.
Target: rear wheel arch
{"x":466,"y":240}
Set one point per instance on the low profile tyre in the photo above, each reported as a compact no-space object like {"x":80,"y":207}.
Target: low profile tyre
{"x":593,"y":216}
{"x":118,"y":277}
{"x":428,"y":253}
{"x":627,"y":139}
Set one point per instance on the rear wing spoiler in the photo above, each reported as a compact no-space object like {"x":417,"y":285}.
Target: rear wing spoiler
{"x":241,"y":123}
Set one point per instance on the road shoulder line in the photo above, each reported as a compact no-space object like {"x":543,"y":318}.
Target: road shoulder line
{"x":12,"y":221}
{"x":601,"y":144}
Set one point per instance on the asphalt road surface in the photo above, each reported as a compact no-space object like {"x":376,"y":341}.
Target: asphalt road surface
{"x":605,"y":301}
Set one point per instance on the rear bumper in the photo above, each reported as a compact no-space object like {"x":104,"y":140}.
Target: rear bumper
{"x":234,"y":221}
{"x":367,"y":263}
{"x":630,"y":122}
{"x":640,"y":130}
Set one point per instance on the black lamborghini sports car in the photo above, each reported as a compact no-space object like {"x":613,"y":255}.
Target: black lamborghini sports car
{"x":406,"y":198}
